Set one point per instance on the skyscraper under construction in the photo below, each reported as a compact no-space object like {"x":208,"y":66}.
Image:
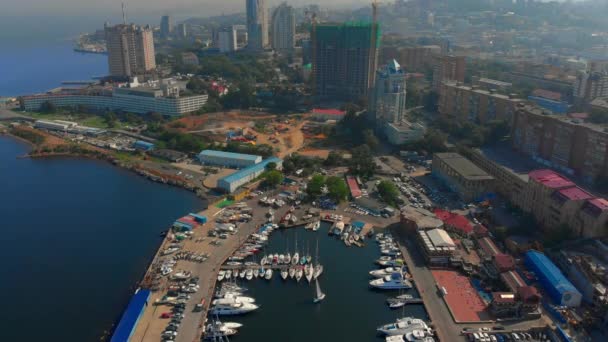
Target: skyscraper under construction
{"x":344,"y":59}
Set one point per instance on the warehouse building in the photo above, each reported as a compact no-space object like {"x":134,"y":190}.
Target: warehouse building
{"x":437,"y":246}
{"x":130,"y":318}
{"x":228,"y":159}
{"x":234,"y":181}
{"x":462,"y":176}
{"x":552,"y":279}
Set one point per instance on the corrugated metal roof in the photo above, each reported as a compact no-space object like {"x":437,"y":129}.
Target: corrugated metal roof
{"x":547,"y":270}
{"x":249,"y":170}
{"x":223,"y":154}
{"x":130,"y":317}
{"x":440,"y":238}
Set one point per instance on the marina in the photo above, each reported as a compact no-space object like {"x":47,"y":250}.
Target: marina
{"x":284,"y":303}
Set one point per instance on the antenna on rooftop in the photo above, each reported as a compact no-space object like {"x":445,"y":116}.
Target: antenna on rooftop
{"x":124,"y":14}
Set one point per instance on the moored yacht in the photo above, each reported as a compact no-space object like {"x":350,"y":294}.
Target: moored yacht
{"x":403,"y":326}
{"x":394,"y":281}
{"x":234,"y":308}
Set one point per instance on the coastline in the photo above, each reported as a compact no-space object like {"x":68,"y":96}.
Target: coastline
{"x":107,"y":157}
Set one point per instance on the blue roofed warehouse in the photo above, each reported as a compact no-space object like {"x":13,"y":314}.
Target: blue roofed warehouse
{"x":559,"y":288}
{"x":246,"y":175}
{"x":130,"y":318}
{"x":228,"y":159}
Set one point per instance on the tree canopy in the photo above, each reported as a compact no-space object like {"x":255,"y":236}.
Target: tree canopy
{"x":315,"y":186}
{"x":337,"y":188}
{"x":388,"y":192}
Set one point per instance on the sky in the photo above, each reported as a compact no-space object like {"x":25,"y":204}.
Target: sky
{"x":198,"y":8}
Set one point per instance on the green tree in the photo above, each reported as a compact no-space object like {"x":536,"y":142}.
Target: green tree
{"x":110,"y":119}
{"x":315,"y":186}
{"x":370,"y":139}
{"x":337,"y":188}
{"x":271,"y":166}
{"x":388,"y":192}
{"x":273,"y":178}
{"x":362,"y":162}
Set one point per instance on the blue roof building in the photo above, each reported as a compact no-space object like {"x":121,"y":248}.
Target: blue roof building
{"x":228,"y":159}
{"x":130,"y":318}
{"x":143,"y":145}
{"x":246,"y":175}
{"x":559,"y":288}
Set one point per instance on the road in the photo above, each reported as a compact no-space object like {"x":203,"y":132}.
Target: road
{"x":447,"y":329}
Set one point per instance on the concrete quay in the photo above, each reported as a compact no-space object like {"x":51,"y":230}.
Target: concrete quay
{"x":151,"y":326}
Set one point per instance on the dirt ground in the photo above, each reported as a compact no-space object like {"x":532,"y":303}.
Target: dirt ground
{"x":321,"y":153}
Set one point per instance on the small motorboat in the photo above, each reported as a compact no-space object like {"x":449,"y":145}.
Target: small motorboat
{"x":242,"y":273}
{"x":316,"y":226}
{"x":221,"y":275}
{"x":284,"y":274}
{"x":249,"y":274}
{"x":268,"y":274}
{"x":228,"y":274}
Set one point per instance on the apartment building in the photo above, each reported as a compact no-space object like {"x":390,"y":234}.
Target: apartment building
{"x":460,"y":102}
{"x":130,"y":50}
{"x":569,"y":145}
{"x":283,"y":28}
{"x":448,"y":68}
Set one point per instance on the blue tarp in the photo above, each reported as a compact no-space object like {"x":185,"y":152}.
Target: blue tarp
{"x":130,"y":317}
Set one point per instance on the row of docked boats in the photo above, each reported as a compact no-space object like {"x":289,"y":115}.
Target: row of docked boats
{"x":314,"y":226}
{"x":407,"y":329}
{"x":393,"y":275}
{"x":229,"y":300}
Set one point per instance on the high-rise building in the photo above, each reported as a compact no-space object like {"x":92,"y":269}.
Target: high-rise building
{"x":257,"y":25}
{"x":388,"y":99}
{"x":226,"y":39}
{"x":166,"y":26}
{"x":182,"y":30}
{"x":283,"y":28}
{"x":448,"y":68}
{"x":591,"y":83}
{"x":130,"y":49}
{"x":344,"y":58}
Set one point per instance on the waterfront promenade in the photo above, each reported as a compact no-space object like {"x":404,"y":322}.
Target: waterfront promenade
{"x":151,"y":325}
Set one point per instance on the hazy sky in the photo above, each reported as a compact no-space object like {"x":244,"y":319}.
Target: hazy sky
{"x":143,"y":7}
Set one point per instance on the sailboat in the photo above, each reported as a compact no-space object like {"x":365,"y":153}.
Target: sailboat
{"x":319,"y":294}
{"x":318,"y":268}
{"x":309,"y":272}
{"x":296,"y":256}
{"x":284,"y":273}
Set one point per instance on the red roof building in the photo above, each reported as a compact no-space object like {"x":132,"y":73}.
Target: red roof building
{"x":575,"y":194}
{"x":547,"y":94}
{"x":550,"y":179}
{"x":488,"y":247}
{"x":355,"y":191}
{"x":530,"y":296}
{"x":512,"y":280}
{"x":454,"y":222}
{"x":480,"y":231}
{"x":504,"y":262}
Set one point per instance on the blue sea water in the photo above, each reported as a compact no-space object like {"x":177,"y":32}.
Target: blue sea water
{"x":76,"y":237}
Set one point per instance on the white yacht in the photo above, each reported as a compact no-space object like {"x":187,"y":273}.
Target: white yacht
{"x":319,"y":295}
{"x":403,"y":326}
{"x":249,"y":274}
{"x":316,"y":226}
{"x":394,"y":281}
{"x":284,"y":274}
{"x":292,"y":272}
{"x":295,"y":258}
{"x":268,"y":274}
{"x":221,"y":275}
{"x":234,"y":308}
{"x":384,"y":272}
{"x":233,"y":297}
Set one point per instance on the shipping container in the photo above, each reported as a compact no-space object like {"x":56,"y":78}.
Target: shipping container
{"x":199,"y":218}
